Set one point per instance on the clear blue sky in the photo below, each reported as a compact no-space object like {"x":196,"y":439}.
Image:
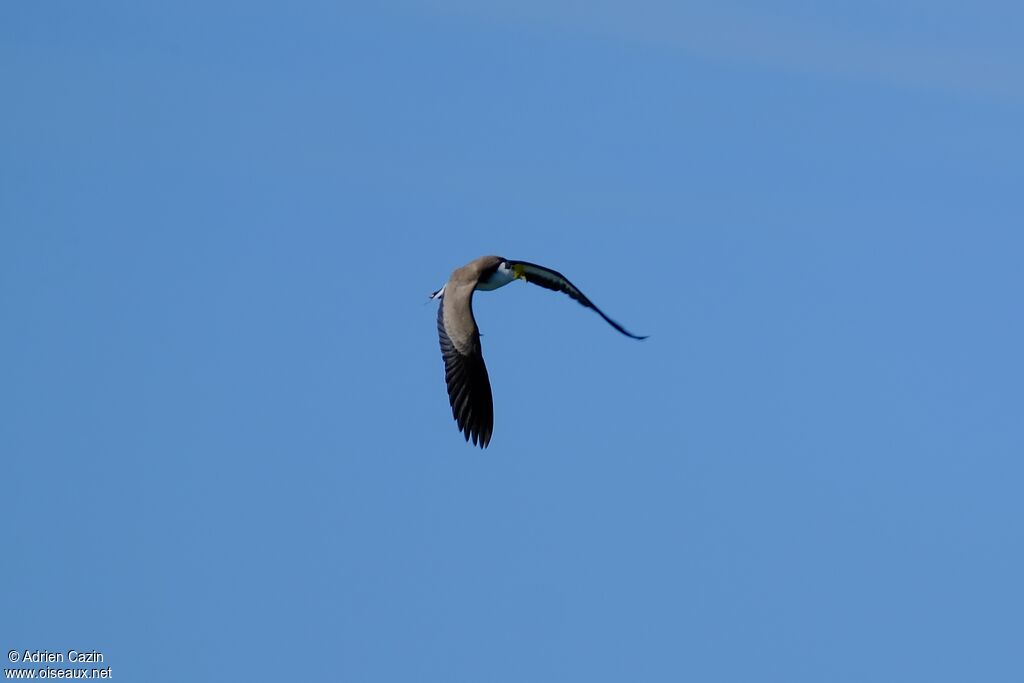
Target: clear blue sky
{"x":227,"y":451}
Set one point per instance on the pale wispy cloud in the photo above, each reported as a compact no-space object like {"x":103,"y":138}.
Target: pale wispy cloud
{"x":973,"y":54}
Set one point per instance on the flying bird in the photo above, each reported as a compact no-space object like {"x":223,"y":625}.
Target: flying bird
{"x":469,"y":390}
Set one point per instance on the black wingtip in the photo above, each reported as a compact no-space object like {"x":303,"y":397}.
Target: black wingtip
{"x":619,"y":328}
{"x":477,"y":438}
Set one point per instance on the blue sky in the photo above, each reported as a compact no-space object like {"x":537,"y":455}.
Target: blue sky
{"x":226,"y":443}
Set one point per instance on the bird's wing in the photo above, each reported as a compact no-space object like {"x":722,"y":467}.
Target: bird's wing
{"x":469,"y":389}
{"x":550,"y":279}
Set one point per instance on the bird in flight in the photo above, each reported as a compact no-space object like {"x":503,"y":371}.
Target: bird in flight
{"x":469,"y":390}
